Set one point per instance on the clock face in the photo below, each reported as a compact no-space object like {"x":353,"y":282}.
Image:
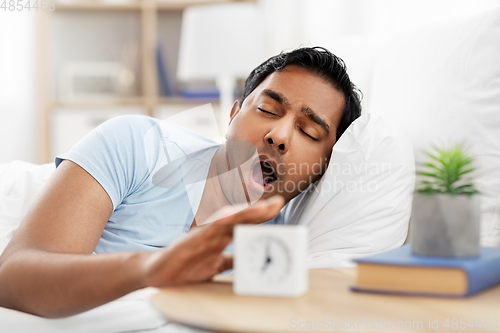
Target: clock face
{"x":268,"y":260}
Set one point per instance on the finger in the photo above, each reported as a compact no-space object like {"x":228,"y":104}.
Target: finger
{"x":227,"y":211}
{"x":220,"y":232}
{"x":227,"y":262}
{"x":275,"y":200}
{"x":260,"y":212}
{"x":217,"y":238}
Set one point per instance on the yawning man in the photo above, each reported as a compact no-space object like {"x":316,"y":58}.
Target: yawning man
{"x":124,"y":192}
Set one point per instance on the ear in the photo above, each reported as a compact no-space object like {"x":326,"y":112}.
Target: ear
{"x":235,"y":109}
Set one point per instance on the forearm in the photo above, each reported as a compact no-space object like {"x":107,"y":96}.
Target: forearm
{"x":58,"y":285}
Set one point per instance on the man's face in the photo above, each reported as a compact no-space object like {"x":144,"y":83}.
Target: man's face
{"x":292,"y":118}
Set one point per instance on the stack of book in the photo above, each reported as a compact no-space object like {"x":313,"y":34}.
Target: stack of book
{"x":399,"y":271}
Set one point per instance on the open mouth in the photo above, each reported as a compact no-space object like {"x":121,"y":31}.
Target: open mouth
{"x":264,"y":172}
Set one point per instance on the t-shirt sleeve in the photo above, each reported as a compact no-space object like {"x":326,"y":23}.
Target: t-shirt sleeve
{"x":114,"y":154}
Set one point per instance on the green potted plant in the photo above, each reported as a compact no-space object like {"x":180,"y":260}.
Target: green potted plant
{"x":445,"y":218}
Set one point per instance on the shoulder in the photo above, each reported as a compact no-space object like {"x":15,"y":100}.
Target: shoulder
{"x":146,"y":126}
{"x":149,"y":139}
{"x":134,"y":133}
{"x":128,"y":123}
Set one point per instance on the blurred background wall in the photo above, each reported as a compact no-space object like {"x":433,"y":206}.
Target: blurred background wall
{"x":89,"y":35}
{"x":17,"y":86}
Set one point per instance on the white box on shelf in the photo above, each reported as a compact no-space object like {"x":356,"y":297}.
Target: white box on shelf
{"x":94,"y":79}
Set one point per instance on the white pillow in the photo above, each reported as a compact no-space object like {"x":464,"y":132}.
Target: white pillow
{"x":20,"y":183}
{"x":441,"y":85}
{"x":362,"y":204}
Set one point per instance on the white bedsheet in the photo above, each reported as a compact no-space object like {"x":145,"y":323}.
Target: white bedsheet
{"x":131,"y":313}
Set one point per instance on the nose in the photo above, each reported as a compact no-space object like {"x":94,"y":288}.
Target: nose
{"x":279,"y":136}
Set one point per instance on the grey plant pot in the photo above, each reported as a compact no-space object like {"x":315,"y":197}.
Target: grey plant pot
{"x":445,"y":225}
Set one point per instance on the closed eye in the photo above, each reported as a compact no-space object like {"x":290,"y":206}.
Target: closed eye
{"x":308,"y":134}
{"x":264,"y":111}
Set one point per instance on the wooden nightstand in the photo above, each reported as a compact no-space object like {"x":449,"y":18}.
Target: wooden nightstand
{"x":328,"y":306}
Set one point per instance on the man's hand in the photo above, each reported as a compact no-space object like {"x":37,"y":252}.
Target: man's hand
{"x":198,"y":256}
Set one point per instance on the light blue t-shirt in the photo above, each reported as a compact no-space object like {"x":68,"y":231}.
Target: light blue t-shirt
{"x":124,"y":154}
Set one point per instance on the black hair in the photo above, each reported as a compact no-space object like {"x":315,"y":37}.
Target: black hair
{"x":319,"y":61}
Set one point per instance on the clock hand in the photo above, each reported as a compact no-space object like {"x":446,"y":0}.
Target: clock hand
{"x":268,"y":257}
{"x":266,"y":263}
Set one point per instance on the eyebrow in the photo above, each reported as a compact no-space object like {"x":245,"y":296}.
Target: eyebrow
{"x":305,"y":110}
{"x":276,"y":96}
{"x":317,"y":119}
